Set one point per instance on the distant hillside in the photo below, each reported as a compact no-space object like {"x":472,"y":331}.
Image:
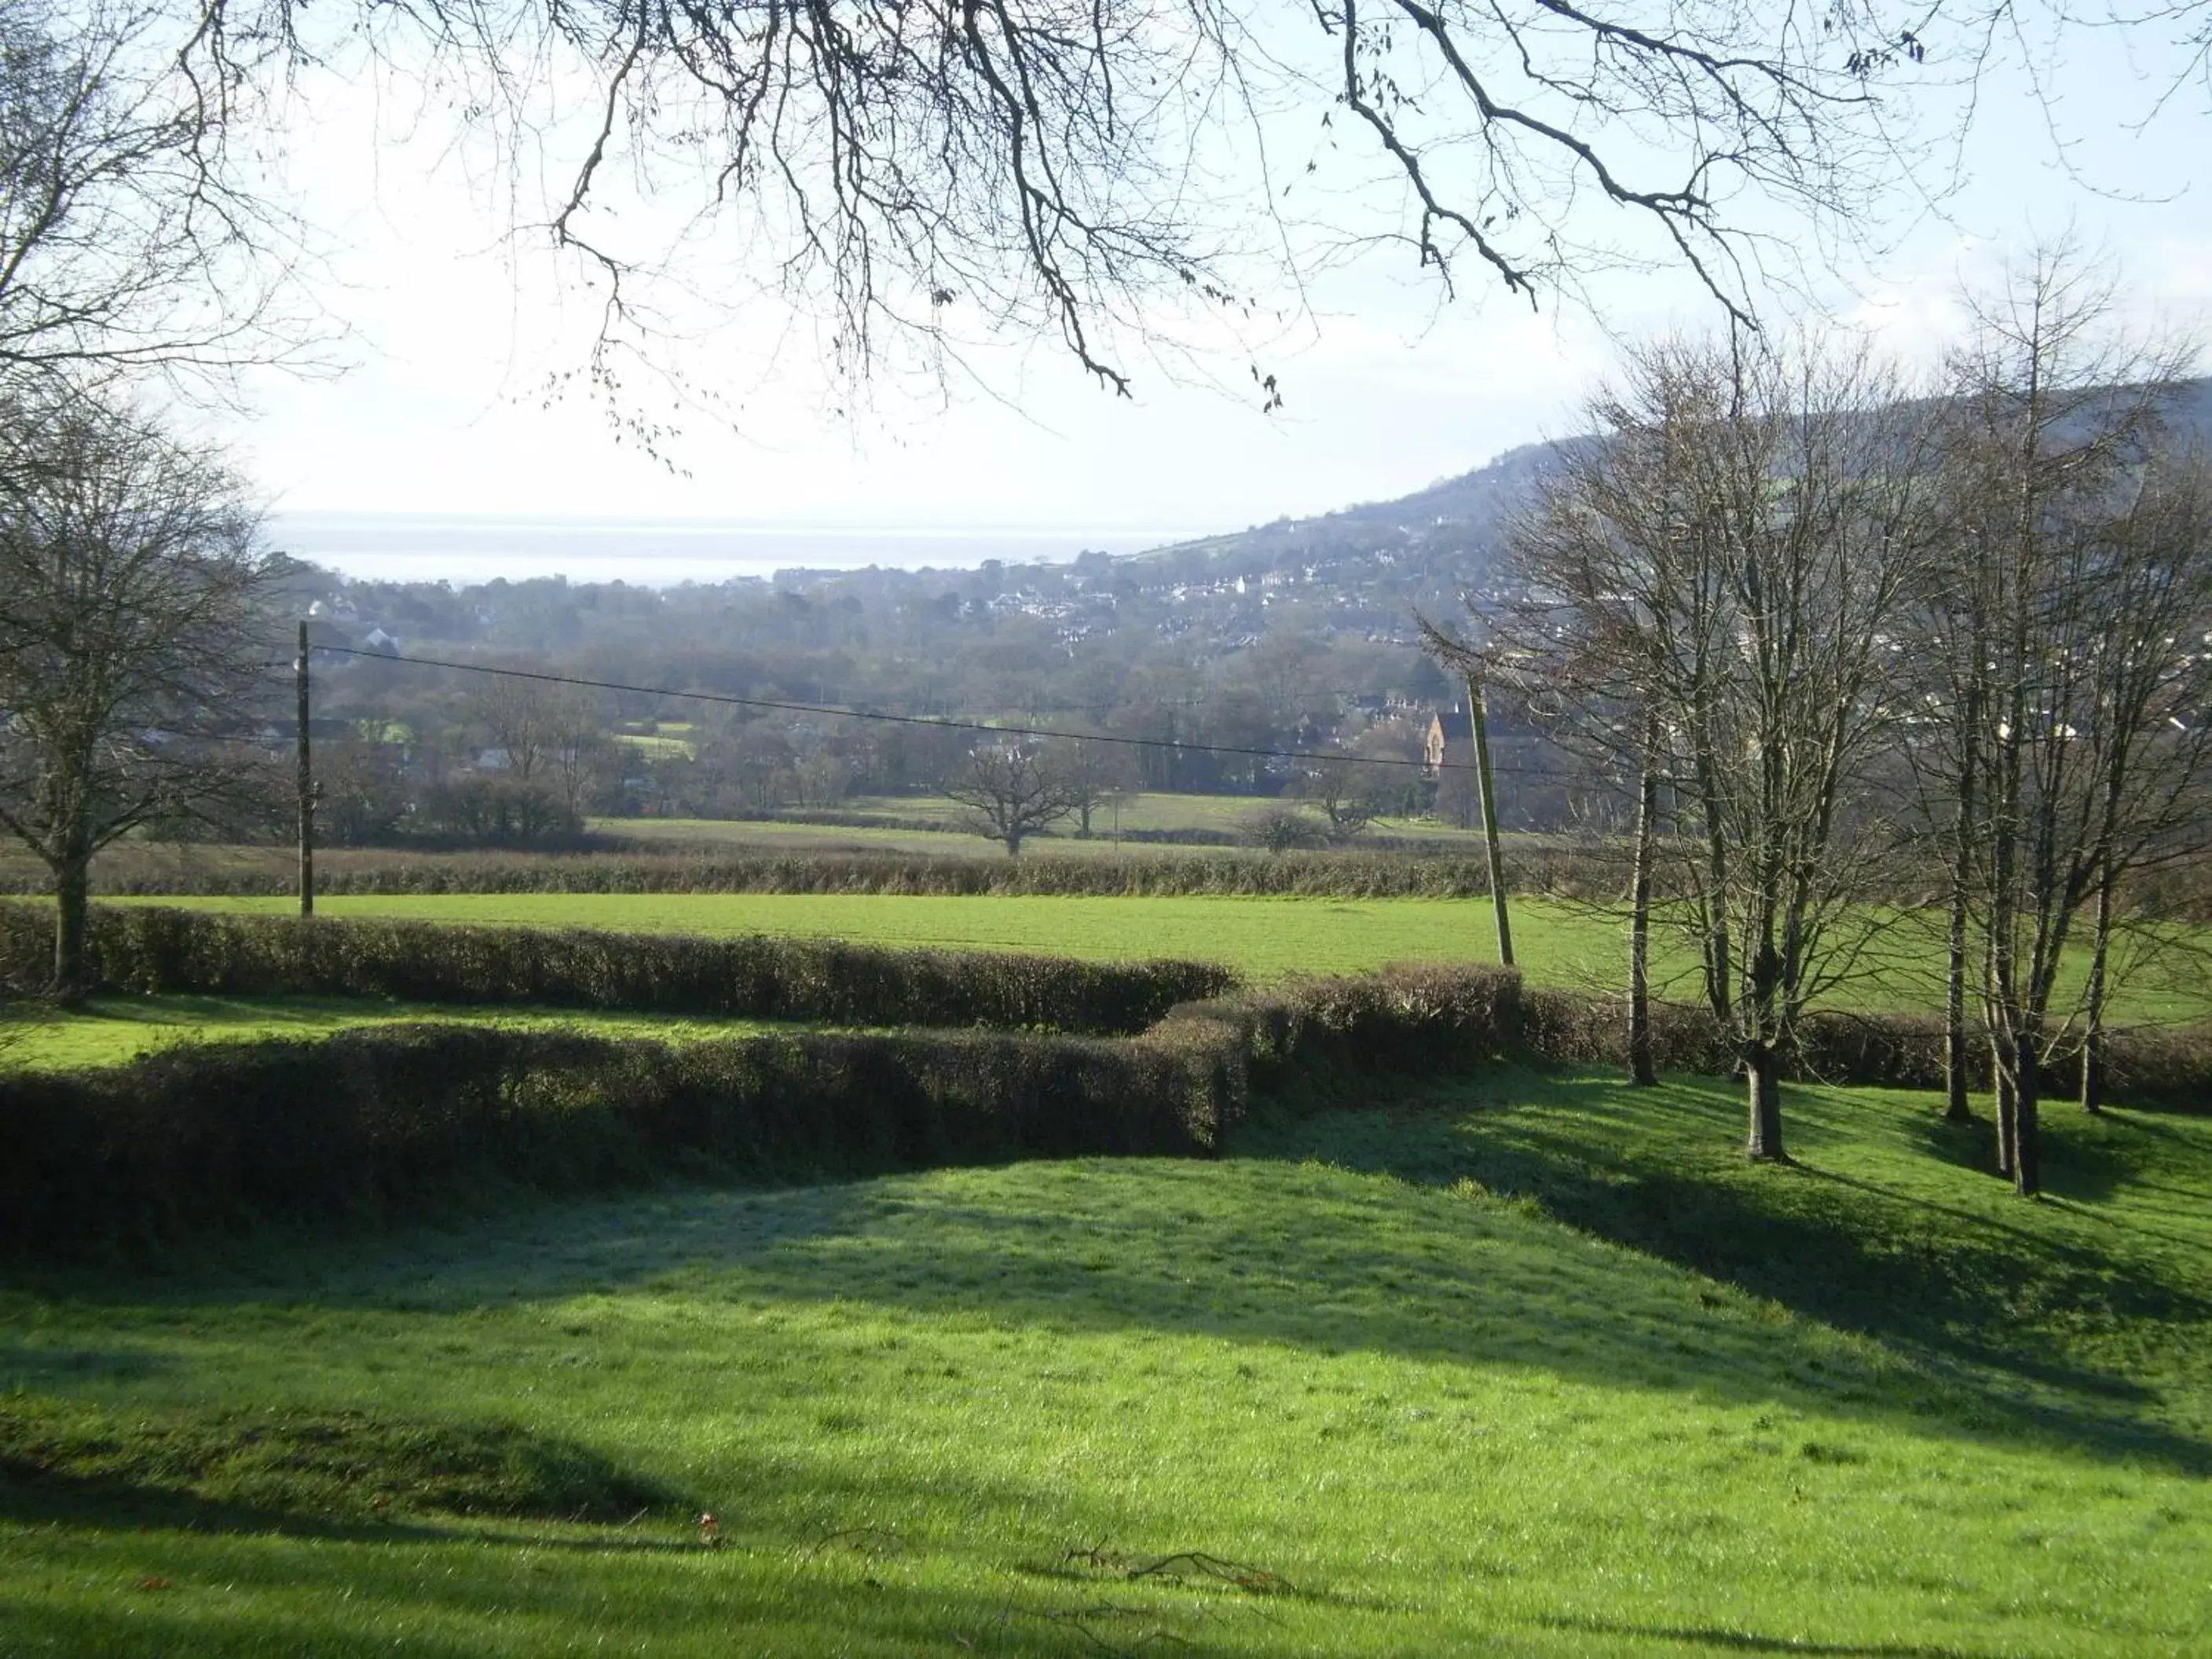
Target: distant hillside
{"x":1418,"y":550}
{"x":1445,"y":536}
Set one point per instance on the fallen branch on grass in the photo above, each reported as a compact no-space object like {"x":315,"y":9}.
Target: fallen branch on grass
{"x":1183,"y":1564}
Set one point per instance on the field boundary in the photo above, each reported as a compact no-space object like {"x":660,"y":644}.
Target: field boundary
{"x":375,"y":1120}
{"x":1369,"y":872}
{"x":149,"y":951}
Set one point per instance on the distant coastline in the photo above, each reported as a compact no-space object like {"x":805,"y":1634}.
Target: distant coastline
{"x":663,"y":552}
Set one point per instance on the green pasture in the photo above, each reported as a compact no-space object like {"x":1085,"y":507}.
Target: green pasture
{"x":656,"y":746}
{"x":1534,"y":1365}
{"x":115,"y":1030}
{"x":1263,"y":939}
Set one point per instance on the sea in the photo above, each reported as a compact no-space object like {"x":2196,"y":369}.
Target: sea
{"x":663,"y":552}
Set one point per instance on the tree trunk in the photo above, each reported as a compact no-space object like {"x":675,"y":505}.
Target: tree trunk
{"x":1958,"y":1057}
{"x":1014,"y":844}
{"x":2027,"y":1149}
{"x":1763,"y":1085}
{"x":2007,"y":1111}
{"x":2093,"y":1035}
{"x":72,"y":893}
{"x":1641,"y":1069}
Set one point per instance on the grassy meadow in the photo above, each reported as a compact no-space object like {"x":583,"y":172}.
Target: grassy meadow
{"x":1532,"y":1365}
{"x":1261,"y":939}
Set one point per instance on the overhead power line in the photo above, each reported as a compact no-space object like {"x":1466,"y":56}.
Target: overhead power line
{"x":932,"y":722}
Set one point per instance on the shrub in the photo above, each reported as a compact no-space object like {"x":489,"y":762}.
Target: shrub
{"x":146,"y":950}
{"x":370,"y":1122}
{"x":1414,"y":1021}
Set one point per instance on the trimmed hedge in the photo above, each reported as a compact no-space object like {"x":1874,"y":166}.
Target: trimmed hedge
{"x":1369,"y":873}
{"x":2144,"y":1065}
{"x":366,"y":1122}
{"x":370,"y":1122}
{"x":145,"y":950}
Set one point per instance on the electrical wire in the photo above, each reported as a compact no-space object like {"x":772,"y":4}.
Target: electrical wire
{"x":934,"y":722}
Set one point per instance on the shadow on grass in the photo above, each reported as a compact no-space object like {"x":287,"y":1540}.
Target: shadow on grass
{"x":863,"y":1616}
{"x":345,"y":1474}
{"x":32,"y":1496}
{"x":163,"y":1580}
{"x":1959,"y":1283}
{"x":1717,"y":1640}
{"x":1974,"y":1301}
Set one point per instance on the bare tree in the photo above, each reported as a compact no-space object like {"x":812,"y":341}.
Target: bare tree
{"x":1731,"y":562}
{"x":2066,"y":621}
{"x":362,"y":791}
{"x":2151,"y":711}
{"x":133,"y":638}
{"x":1350,"y":790}
{"x":1096,"y":773}
{"x":762,"y":762}
{"x":1126,"y":177}
{"x":519,"y":716}
{"x":1013,"y":788}
{"x":580,"y":755}
{"x":130,"y":242}
{"x":920,"y":172}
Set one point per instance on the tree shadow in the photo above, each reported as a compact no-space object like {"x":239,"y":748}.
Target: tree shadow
{"x":344,"y":1474}
{"x":868,"y":1586}
{"x":1718,"y":1640}
{"x":33,"y":1496}
{"x":1931,"y":1279}
{"x":1272,"y":1245}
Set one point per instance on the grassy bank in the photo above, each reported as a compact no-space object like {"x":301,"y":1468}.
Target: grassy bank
{"x":1360,"y":1387}
{"x":1261,"y":939}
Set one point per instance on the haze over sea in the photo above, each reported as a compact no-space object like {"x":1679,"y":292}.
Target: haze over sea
{"x":660,"y":552}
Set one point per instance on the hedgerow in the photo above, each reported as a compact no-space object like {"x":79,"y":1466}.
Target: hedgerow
{"x":145,"y":950}
{"x":370,"y":1123}
{"x":2144,"y":1065}
{"x":1362,"y":874}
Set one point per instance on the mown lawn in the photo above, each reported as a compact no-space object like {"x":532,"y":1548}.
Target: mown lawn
{"x":114,"y":1030}
{"x":1356,"y":1387}
{"x":1263,"y":939}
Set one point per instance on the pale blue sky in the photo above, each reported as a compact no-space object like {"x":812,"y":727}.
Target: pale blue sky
{"x":438,"y":410}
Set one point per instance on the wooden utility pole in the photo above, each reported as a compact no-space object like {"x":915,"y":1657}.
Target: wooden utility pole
{"x":1642,"y":1070}
{"x":307,"y":784}
{"x":1487,"y":798}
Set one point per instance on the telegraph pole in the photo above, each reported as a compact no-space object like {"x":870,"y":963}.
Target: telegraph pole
{"x":1487,"y":798}
{"x":307,"y":784}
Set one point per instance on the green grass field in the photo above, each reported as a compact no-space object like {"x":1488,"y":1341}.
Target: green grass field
{"x":1356,"y":1387}
{"x":1263,"y":939}
{"x":115,"y":1030}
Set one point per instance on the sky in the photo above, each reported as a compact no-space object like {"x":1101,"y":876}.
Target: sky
{"x":453,"y":328}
